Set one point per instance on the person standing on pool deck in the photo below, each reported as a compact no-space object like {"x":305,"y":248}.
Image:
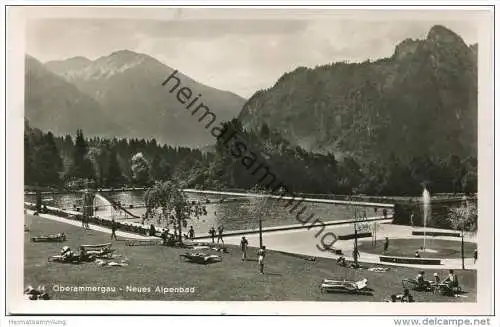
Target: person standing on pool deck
{"x":113,"y":229}
{"x":355,"y":255}
{"x":212,"y":234}
{"x":219,"y":236}
{"x":261,"y":254}
{"x":244,"y":246}
{"x":386,"y":244}
{"x":475,"y":256}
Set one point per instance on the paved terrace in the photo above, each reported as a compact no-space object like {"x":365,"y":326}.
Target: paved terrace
{"x":303,"y":242}
{"x":300,"y":239}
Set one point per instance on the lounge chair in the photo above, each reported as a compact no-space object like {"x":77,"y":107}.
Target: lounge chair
{"x":98,"y":250}
{"x":201,"y":258}
{"x":379,"y":269}
{"x":445,"y":288}
{"x":101,"y":262}
{"x":331,"y":285}
{"x":75,"y":259}
{"x":49,"y":238}
{"x":143,"y":242}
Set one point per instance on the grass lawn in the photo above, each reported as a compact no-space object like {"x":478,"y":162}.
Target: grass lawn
{"x":287,"y":277}
{"x":445,"y":249}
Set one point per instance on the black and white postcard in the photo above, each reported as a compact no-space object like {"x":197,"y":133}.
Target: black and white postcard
{"x":287,"y":160}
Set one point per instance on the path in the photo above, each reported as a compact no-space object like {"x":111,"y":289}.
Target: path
{"x":304,"y":242}
{"x":91,"y":226}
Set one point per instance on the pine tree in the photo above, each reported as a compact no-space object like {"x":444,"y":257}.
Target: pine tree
{"x":29,"y":171}
{"x":114,"y":173}
{"x":48,"y":161}
{"x":82,"y":167}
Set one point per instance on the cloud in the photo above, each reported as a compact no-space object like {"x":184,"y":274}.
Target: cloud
{"x":239,"y":55}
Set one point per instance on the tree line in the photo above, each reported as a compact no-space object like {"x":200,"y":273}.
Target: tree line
{"x":72,"y":161}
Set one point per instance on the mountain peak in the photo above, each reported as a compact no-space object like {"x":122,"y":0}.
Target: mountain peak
{"x":79,"y":59}
{"x":126,"y":55}
{"x":124,"y":52}
{"x":441,"y":34}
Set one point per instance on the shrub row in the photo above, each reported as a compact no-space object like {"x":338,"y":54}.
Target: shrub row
{"x":130,"y":228}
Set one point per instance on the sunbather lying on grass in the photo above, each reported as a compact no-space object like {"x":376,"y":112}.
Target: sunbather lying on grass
{"x":36,"y":294}
{"x":418,"y":284}
{"x":405,"y":297}
{"x":60,"y":237}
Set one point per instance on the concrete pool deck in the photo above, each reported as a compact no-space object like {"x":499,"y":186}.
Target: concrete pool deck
{"x":303,"y":241}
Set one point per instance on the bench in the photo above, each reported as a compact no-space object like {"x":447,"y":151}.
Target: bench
{"x":421,"y":233}
{"x":351,"y":236}
{"x":413,"y":261}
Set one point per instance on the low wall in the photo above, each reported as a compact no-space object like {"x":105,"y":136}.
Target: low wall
{"x":421,"y":233}
{"x":351,"y":236}
{"x":137,"y":228}
{"x":412,"y":261}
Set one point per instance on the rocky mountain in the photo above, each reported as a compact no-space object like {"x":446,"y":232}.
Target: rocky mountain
{"x":128,"y":86}
{"x":422,"y":101}
{"x":53,"y":104}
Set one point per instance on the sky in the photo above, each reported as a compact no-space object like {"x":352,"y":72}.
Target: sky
{"x":237,"y":50}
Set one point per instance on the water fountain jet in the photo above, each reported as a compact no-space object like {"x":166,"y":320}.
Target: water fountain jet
{"x":426,"y":199}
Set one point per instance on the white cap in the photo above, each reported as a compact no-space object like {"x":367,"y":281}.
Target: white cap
{"x":435,"y":274}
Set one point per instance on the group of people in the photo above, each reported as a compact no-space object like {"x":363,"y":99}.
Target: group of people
{"x":38,"y":293}
{"x":167,"y":238}
{"x":220,"y":233}
{"x":85,"y":222}
{"x":67,"y":255}
{"x":341,"y":261}
{"x":261,"y":253}
{"x":450,"y":282}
